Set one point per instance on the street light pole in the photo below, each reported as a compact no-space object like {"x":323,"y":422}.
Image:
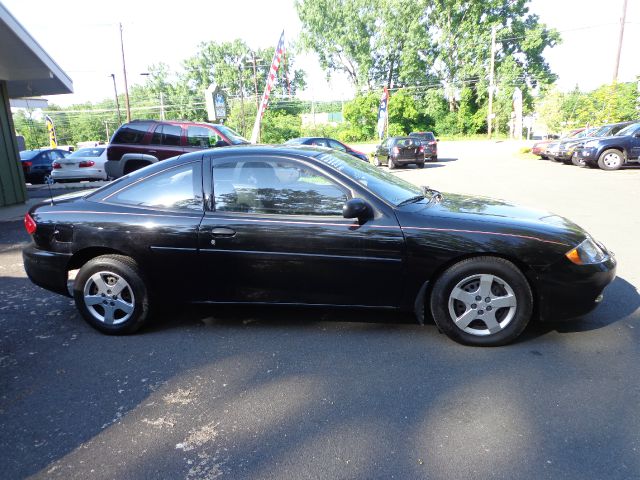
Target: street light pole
{"x":241,"y":93}
{"x":491,"y":81}
{"x":623,"y":20}
{"x":126,"y":87}
{"x":115,"y":91}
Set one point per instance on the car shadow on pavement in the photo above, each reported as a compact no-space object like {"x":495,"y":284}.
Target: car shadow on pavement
{"x":621,"y":300}
{"x":445,"y":160}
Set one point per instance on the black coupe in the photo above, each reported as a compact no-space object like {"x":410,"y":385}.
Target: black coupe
{"x":310,"y":226}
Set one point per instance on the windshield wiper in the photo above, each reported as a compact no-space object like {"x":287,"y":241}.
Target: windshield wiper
{"x":414,"y":199}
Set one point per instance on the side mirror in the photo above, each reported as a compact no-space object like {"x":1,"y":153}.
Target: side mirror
{"x":357,"y":208}
{"x":437,"y":139}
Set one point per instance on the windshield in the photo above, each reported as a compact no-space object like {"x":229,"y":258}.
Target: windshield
{"x":385,"y":185}
{"x":28,"y":154}
{"x":87,"y":152}
{"x":294,"y":141}
{"x":234,"y":137}
{"x":628,"y":130}
{"x":602,"y":131}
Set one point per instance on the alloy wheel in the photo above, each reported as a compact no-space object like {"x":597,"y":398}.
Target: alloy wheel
{"x":482,"y":304}
{"x":612,"y":160}
{"x":109,"y":298}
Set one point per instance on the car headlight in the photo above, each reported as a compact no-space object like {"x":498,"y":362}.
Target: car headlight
{"x":587,"y":253}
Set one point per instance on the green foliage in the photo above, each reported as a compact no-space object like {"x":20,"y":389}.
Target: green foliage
{"x":278,"y":127}
{"x":361,"y":114}
{"x":607,"y":104}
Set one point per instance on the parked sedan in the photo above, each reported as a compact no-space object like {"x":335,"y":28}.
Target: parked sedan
{"x":83,"y":164}
{"x":539,"y":148}
{"x":328,"y":143}
{"x":430,"y":144}
{"x":315,"y":227}
{"x":399,"y":151}
{"x":552,"y":151}
{"x":611,"y":153}
{"x":37,"y":164}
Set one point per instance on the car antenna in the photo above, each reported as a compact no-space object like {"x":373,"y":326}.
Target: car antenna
{"x":49,"y":181}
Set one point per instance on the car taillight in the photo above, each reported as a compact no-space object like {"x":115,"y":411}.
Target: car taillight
{"x":30,"y":224}
{"x":432,"y":142}
{"x":27,"y":164}
{"x":421,"y":148}
{"x":395,"y":150}
{"x":86,"y":163}
{"x":56,"y":165}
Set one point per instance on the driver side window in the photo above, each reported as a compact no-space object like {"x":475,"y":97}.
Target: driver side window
{"x":275,"y":186}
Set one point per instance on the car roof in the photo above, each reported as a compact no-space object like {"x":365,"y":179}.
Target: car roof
{"x":171,"y":122}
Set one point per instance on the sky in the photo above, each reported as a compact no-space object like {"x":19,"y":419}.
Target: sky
{"x":82,"y":36}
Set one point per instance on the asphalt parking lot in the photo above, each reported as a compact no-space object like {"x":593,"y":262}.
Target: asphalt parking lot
{"x":274,"y":394}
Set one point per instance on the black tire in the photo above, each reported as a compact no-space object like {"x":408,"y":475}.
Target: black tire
{"x":420,"y":164}
{"x":434,"y":158}
{"x":578,"y":161}
{"x":135,"y":294}
{"x":510,"y":320}
{"x":544,"y":157}
{"x":390,"y":163}
{"x":611,"y":159}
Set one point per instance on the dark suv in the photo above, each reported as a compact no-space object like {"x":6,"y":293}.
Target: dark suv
{"x":611,"y":153}
{"x":429,"y":142}
{"x":143,"y":142}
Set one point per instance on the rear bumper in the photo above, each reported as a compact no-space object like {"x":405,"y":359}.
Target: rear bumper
{"x":47,"y":269}
{"x":570,"y":291}
{"x":113,"y":168}
{"x":78,"y":174}
{"x":407,"y":161}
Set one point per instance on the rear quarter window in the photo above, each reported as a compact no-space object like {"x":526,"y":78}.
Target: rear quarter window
{"x":132,"y":133}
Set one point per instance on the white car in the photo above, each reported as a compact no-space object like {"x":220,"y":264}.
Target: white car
{"x":84,"y":164}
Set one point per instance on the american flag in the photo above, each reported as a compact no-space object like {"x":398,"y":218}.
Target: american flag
{"x":271,"y":80}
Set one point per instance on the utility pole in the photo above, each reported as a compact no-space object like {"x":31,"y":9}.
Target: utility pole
{"x":491,"y":81}
{"x":255,"y":78}
{"x":241,"y":93}
{"x":162,"y":116}
{"x":126,"y":87}
{"x":622,"y":22}
{"x":115,"y":91}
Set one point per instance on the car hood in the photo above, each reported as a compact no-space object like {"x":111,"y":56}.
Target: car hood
{"x":497,"y":216}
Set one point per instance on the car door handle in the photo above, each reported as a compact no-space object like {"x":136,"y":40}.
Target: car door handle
{"x":222,"y":232}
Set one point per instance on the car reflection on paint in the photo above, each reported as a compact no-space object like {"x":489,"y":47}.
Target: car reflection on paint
{"x":296,"y":225}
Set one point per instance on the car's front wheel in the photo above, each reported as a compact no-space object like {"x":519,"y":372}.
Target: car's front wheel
{"x":111,"y":294}
{"x":611,"y":160}
{"x":578,"y":161}
{"x":482,"y":301}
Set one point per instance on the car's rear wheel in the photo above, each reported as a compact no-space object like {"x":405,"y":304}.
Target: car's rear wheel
{"x":111,"y":294}
{"x":420,"y":164}
{"x":611,"y":160}
{"x":482,"y":301}
{"x":434,"y":158}
{"x":391,"y":163}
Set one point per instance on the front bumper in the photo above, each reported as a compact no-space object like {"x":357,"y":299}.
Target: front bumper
{"x":568,"y":291}
{"x":587,"y":154}
{"x":47,"y":269}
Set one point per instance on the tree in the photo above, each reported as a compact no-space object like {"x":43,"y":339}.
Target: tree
{"x":230,"y":64}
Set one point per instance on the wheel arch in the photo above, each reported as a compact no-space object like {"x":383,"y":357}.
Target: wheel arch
{"x":420,"y":304}
{"x":81,"y":257}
